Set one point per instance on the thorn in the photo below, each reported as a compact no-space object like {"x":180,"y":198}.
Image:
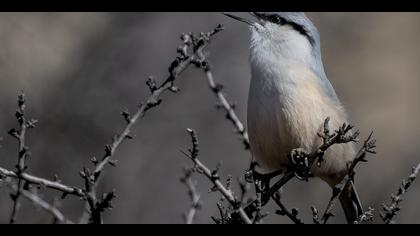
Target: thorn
{"x":19,"y":116}
{"x":94,"y":160}
{"x":153,"y":103}
{"x":129,"y":137}
{"x":108,"y":150}
{"x":213,"y":189}
{"x":21,"y":99}
{"x":31,"y":123}
{"x":229,"y":182}
{"x":215,"y":172}
{"x":56,"y":179}
{"x":280,"y":212}
{"x":151,"y":83}
{"x":64,"y":195}
{"x":113,"y":163}
{"x":174,"y":89}
{"x":14,"y":133}
{"x":217,"y":88}
{"x":126,"y":116}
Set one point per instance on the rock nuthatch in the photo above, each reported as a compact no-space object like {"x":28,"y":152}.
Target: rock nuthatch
{"x":290,"y":97}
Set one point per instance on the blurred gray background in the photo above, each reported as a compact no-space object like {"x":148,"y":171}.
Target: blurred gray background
{"x":80,"y":70}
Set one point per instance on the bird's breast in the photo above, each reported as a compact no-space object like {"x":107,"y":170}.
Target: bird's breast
{"x":286,"y":110}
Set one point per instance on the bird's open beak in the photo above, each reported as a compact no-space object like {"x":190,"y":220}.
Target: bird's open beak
{"x":246,"y":21}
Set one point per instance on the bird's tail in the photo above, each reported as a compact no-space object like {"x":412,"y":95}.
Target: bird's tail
{"x":351,"y":203}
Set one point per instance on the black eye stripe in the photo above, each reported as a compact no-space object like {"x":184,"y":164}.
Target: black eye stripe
{"x":299,"y":28}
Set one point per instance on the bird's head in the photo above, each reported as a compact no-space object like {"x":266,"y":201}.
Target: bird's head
{"x":279,"y":25}
{"x":284,"y":35}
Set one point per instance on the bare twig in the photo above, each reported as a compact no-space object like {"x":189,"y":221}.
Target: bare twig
{"x":301,"y":162}
{"x":315,"y":215}
{"x":215,"y":179}
{"x":368,"y":147}
{"x":193,"y":194}
{"x":367,"y":216}
{"x":24,"y":179}
{"x":223,"y":102}
{"x":340,"y":136}
{"x":38,"y":201}
{"x":66,"y":190}
{"x":23,"y":151}
{"x":188,"y":54}
{"x":391,"y":210}
{"x":229,"y":107}
{"x":244,"y":187}
{"x":292,"y":215}
{"x":224,"y":214}
{"x":259,"y":214}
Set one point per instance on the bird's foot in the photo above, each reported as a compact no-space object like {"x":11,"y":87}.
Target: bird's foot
{"x":262,"y":183}
{"x":300,"y":164}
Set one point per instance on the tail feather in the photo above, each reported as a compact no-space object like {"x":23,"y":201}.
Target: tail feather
{"x":351,"y":203}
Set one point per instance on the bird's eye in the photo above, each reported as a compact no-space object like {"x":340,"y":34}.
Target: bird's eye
{"x":276,"y":19}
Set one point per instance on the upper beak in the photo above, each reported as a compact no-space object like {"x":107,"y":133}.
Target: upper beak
{"x":246,"y":21}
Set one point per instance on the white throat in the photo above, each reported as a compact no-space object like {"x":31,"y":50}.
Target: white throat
{"x":272,"y":45}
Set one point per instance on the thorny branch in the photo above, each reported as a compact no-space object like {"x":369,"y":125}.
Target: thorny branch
{"x":293,"y":215}
{"x":369,"y":146}
{"x":367,"y":216}
{"x":23,"y":152}
{"x":213,"y":176}
{"x":24,"y":180}
{"x":38,"y":201}
{"x":223,"y":102}
{"x":341,"y":136}
{"x":391,"y":210}
{"x":188,"y":54}
{"x":301,"y":162}
{"x":193,"y":194}
{"x":315,"y":215}
{"x":56,"y":185}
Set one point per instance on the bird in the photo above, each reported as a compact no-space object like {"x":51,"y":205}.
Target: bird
{"x":290,"y":97}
